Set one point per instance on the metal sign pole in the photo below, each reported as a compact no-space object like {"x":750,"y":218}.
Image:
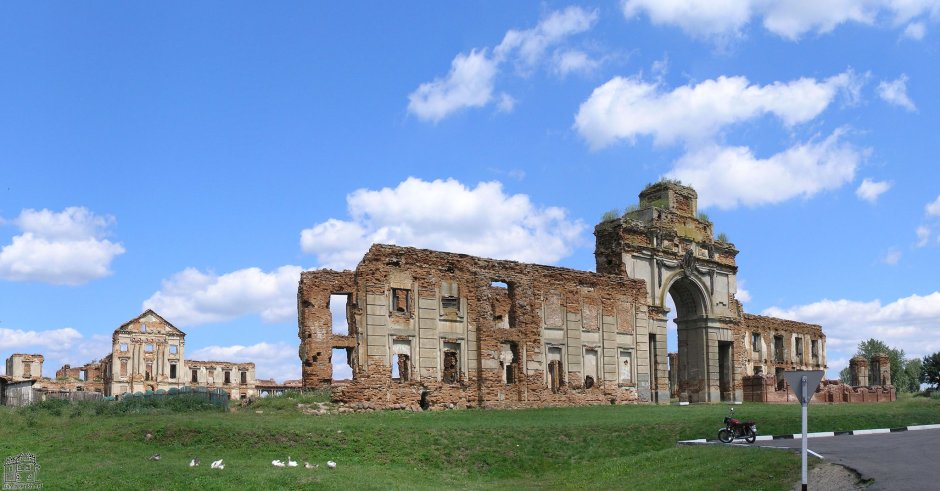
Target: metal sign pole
{"x":804,"y":401}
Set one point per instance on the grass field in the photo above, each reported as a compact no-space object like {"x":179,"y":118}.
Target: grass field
{"x":606,"y":447}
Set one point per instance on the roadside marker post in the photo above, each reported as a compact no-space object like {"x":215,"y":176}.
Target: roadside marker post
{"x":803,"y":383}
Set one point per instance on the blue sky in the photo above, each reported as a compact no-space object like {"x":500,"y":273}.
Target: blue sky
{"x":194,"y":158}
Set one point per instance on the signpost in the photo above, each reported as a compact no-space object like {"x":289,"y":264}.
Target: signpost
{"x":803,"y":383}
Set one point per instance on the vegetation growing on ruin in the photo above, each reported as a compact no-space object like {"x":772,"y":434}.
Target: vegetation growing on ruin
{"x":704,"y":217}
{"x":600,"y":447}
{"x":723,"y":237}
{"x":610,"y":215}
{"x":663,"y":180}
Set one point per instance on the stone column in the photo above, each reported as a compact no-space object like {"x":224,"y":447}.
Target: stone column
{"x":673,"y":374}
{"x":858,"y":369}
{"x":883,"y":375}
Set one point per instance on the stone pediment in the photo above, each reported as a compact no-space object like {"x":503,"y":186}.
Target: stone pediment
{"x":150,"y":323}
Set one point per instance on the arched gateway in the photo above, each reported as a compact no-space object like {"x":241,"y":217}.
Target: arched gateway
{"x":439,"y":329}
{"x":668,"y":245}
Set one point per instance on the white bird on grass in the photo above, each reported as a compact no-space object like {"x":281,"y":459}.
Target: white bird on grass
{"x":277,"y":463}
{"x":218,"y":464}
{"x":331,"y":464}
{"x":194,"y":462}
{"x":291,"y":463}
{"x":308,"y":465}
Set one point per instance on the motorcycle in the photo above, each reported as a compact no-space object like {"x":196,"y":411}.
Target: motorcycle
{"x":735,"y":429}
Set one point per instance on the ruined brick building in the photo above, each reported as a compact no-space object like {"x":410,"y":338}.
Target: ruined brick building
{"x":146,"y":355}
{"x":443,"y":329}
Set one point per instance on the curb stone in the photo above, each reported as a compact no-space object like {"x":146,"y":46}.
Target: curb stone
{"x":822,"y":434}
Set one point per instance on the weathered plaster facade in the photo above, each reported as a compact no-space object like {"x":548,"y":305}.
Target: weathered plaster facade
{"x":147,"y":354}
{"x":439,"y":329}
{"x":443,"y":329}
{"x":21,"y":366}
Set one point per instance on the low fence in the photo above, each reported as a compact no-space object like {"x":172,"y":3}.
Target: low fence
{"x":71,"y":395}
{"x":217,"y":397}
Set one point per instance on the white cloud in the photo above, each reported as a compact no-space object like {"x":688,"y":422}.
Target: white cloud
{"x":727,"y":177}
{"x":574,"y":61}
{"x":933,"y":208}
{"x":17,"y":339}
{"x":703,"y":18}
{"x":895,"y":92}
{"x":626,"y":108}
{"x":444,"y":215}
{"x":870,"y":190}
{"x":790,"y":19}
{"x":64,"y":248}
{"x":506,"y":103}
{"x":892,"y":257}
{"x":272,"y":360}
{"x":192,"y":297}
{"x":923,"y":236}
{"x":908,"y":323}
{"x":531,"y":44}
{"x":470,"y":82}
{"x":915,"y":31}
{"x":743,"y":295}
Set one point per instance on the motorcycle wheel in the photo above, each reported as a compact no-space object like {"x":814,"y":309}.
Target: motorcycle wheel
{"x":725,"y":435}
{"x":751,"y":436}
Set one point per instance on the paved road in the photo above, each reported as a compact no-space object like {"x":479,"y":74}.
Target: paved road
{"x":904,"y":460}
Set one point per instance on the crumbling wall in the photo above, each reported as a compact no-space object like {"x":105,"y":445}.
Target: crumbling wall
{"x":315,"y":323}
{"x":764,"y":388}
{"x":489,"y":347}
{"x":757,"y":354}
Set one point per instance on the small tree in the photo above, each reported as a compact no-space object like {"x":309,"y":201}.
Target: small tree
{"x":930,"y":370}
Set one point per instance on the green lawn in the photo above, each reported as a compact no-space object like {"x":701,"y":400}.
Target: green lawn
{"x":606,"y":447}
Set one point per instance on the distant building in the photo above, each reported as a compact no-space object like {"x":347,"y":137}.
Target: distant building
{"x":24,"y":367}
{"x":147,"y":354}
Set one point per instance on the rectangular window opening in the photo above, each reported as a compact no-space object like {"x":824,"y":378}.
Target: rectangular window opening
{"x":342,"y":370}
{"x":173,"y":349}
{"x":173,"y":370}
{"x":195,"y":376}
{"x":228,"y":377}
{"x":123,"y":368}
{"x":590,"y":368}
{"x":401,"y":300}
{"x":626,"y":367}
{"x":123,"y":347}
{"x":778,"y":349}
{"x":451,"y":372}
{"x":509,"y":360}
{"x":556,"y":379}
{"x":148,"y":373}
{"x":339,"y":311}
{"x":244,"y":377}
{"x":148,"y":348}
{"x":401,"y":360}
{"x":27,"y":369}
{"x":799,"y":349}
{"x":755,"y":341}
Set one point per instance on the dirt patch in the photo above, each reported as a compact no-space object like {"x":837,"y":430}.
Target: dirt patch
{"x":826,"y":476}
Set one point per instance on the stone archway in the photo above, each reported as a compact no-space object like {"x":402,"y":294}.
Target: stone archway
{"x":666,"y":243}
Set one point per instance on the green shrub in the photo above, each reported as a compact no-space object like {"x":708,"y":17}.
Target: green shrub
{"x":723,"y":237}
